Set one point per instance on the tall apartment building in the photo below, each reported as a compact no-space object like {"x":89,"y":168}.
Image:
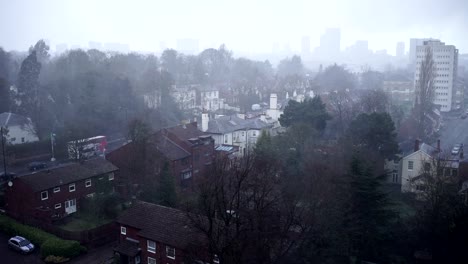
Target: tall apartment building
{"x":445,"y":63}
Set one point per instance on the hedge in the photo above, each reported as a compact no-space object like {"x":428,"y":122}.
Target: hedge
{"x":62,"y":248}
{"x":49,"y":244}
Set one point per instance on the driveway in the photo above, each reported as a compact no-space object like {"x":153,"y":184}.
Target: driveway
{"x":9,"y":256}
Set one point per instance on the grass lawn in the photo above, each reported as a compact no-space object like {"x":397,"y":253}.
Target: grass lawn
{"x":80,"y":223}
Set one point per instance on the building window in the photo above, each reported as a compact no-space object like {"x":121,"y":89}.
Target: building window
{"x":410,"y":165}
{"x":56,"y":189}
{"x":123,"y":230}
{"x":44,"y":195}
{"x":395,"y":177}
{"x":186,"y":175}
{"x":57,"y":206}
{"x":170,"y":252}
{"x":137,"y":260}
{"x":254,"y":133}
{"x":111,"y":176}
{"x":71,"y":187}
{"x":88,"y":183}
{"x":22,"y":140}
{"x":151,"y":260}
{"x":151,"y":246}
{"x":216,"y":259}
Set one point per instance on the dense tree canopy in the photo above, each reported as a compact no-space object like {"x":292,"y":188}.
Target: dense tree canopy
{"x":311,"y":112}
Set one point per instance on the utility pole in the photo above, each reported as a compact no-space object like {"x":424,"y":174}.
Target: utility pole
{"x":52,"y":143}
{"x":3,"y":152}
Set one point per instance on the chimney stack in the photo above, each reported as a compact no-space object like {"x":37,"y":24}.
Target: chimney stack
{"x":273,"y":101}
{"x":204,"y":121}
{"x":416,"y":145}
{"x":438,"y":145}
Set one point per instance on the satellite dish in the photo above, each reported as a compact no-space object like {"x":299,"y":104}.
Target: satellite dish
{"x":10,"y":183}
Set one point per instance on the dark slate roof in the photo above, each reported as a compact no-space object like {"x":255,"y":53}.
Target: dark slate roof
{"x":66,"y":174}
{"x":169,"y":148}
{"x":11,"y":119}
{"x":227,"y":124}
{"x":185,"y":132}
{"x":127,"y":248}
{"x":162,"y":224}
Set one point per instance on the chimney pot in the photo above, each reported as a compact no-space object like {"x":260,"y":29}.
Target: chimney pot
{"x":438,"y":145}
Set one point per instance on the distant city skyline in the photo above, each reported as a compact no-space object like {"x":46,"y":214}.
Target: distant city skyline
{"x":243,"y":26}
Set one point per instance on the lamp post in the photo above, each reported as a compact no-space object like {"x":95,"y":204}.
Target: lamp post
{"x":3,"y":152}
{"x":52,"y":143}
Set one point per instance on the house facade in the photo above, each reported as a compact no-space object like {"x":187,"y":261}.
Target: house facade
{"x":234,"y":130}
{"x":151,"y":234}
{"x":185,"y":96}
{"x":424,"y":161}
{"x":55,"y":193}
{"x":20,"y":129}
{"x":186,"y":150}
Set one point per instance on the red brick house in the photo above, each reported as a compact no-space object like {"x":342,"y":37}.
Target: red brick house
{"x":188,"y":151}
{"x":151,"y":233}
{"x":55,"y":193}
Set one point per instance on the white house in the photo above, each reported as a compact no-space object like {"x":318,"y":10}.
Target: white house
{"x":185,"y":96}
{"x":208,"y":98}
{"x":234,"y":130}
{"x":20,"y":129}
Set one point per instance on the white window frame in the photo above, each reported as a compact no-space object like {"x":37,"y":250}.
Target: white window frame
{"x":168,"y":248}
{"x":70,"y":187}
{"x":216,"y":259}
{"x":151,"y":260}
{"x":412,"y":165}
{"x":58,"y":206}
{"x":111,"y":176}
{"x":46,"y":195}
{"x":149,"y":248}
{"x":88,"y":183}
{"x":137,"y":259}
{"x":56,"y":189}
{"x":123,"y":230}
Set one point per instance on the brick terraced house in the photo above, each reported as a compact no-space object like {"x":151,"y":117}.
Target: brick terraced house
{"x":151,"y":234}
{"x":54,"y":193}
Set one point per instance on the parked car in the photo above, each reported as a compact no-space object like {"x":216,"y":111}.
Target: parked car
{"x":36,"y":165}
{"x":7,"y":176}
{"x":20,"y":244}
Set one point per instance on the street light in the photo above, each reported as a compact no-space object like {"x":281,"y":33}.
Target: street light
{"x":3,"y":152}
{"x":52,"y":143}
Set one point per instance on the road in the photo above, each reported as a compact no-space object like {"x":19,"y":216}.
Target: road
{"x":454,"y":131}
{"x":9,"y":256}
{"x":22,"y":169}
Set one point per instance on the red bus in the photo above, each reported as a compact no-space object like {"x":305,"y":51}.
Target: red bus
{"x":87,"y":148}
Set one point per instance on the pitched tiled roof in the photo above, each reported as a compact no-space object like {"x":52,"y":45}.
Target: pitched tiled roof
{"x":227,"y":124}
{"x":162,"y":224}
{"x":169,"y":148}
{"x":10,"y":119}
{"x":69,"y":173}
{"x":127,"y":248}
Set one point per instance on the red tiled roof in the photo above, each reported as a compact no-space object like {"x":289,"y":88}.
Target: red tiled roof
{"x":162,"y":224}
{"x":69,"y":173}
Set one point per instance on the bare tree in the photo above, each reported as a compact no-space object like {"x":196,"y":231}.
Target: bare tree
{"x":243,"y":214}
{"x":424,"y":89}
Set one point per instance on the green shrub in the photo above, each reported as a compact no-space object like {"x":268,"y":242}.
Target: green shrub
{"x":13,"y":228}
{"x":59,"y":247}
{"x":55,"y":259}
{"x":50,"y":245}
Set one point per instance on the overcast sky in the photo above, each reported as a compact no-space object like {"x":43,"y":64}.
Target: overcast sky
{"x":243,"y":25}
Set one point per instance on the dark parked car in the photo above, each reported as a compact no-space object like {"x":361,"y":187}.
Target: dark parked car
{"x":21,"y":244}
{"x":36,"y":165}
{"x":8,"y":176}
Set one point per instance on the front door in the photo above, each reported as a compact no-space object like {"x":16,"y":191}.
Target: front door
{"x":70,"y":206}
